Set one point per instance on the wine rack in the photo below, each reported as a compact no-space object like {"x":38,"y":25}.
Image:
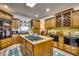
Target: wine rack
{"x":58,"y":21}
{"x":67,"y":19}
{"x":63,"y":19}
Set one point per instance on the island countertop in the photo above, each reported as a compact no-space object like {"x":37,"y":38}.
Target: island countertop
{"x":44,"y":38}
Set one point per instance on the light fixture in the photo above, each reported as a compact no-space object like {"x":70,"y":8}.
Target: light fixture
{"x":5,"y":6}
{"x":30,"y":4}
{"x":36,"y":15}
{"x":47,"y":9}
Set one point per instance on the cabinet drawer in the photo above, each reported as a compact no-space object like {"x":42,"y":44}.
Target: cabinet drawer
{"x":30,"y":46}
{"x":31,"y":49}
{"x":75,"y":50}
{"x":67,"y":48}
{"x":28,"y":52}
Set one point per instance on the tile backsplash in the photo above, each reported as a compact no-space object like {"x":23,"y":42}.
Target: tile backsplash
{"x":66,"y":31}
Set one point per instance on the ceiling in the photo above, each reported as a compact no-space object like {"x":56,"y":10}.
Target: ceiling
{"x":39,"y":8}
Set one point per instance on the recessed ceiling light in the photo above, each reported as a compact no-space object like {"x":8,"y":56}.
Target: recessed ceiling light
{"x":36,"y":15}
{"x":5,"y":6}
{"x":30,"y":4}
{"x":47,"y":9}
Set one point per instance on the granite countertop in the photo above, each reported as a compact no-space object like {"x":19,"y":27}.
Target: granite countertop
{"x":44,"y":38}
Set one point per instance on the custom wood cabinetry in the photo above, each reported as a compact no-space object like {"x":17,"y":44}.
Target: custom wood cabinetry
{"x":5,"y":15}
{"x":39,"y":49}
{"x":46,"y":24}
{"x":61,"y":43}
{"x":15,"y":23}
{"x":64,"y":18}
{"x":50,"y":23}
{"x":5,"y":29}
{"x":35,"y":24}
{"x":5,"y":42}
{"x":75,"y":18}
{"x":15,"y":39}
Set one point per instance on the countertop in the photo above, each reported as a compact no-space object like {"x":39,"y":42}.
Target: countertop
{"x":39,"y":41}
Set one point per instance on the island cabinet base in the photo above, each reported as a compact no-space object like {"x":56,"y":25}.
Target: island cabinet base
{"x":40,"y":49}
{"x":5,"y":42}
{"x":43,"y":49}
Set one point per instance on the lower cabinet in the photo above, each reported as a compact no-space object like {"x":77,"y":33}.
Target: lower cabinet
{"x":61,"y":43}
{"x":26,"y":48}
{"x":67,"y":48}
{"x":15,"y":39}
{"x":74,"y":50}
{"x":5,"y":42}
{"x":55,"y":44}
{"x":40,"y":49}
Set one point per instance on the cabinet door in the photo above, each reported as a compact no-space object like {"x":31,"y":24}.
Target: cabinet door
{"x":6,"y":42}
{"x":75,"y":17}
{"x":46,"y":24}
{"x":36,"y":24}
{"x":15,"y":24}
{"x":50,"y":23}
{"x":53,"y":23}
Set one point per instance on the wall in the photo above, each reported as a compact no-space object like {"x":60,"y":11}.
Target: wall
{"x":41,"y":25}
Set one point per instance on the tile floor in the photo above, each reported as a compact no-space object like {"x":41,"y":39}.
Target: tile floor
{"x":15,"y":50}
{"x":11,"y":50}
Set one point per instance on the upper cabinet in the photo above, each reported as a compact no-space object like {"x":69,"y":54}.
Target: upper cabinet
{"x":35,"y":24}
{"x":15,"y":23}
{"x":5,"y":15}
{"x":64,"y":18}
{"x":75,"y":18}
{"x":50,"y":23}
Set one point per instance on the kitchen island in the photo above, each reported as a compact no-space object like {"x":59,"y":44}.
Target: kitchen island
{"x":36,"y":45}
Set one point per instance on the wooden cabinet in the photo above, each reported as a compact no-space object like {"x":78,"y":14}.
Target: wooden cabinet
{"x":71,"y":49}
{"x":26,"y":47}
{"x":74,"y":50}
{"x":15,"y":23}
{"x":5,"y":29}
{"x":46,"y":24}
{"x":67,"y":48}
{"x":5,"y":42}
{"x":50,"y":23}
{"x":15,"y":39}
{"x":35,"y":23}
{"x":75,"y":18}
{"x":29,"y":49}
{"x":5,"y":15}
{"x":61,"y":43}
{"x":38,"y":49}
{"x":53,"y":22}
{"x":64,"y":18}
